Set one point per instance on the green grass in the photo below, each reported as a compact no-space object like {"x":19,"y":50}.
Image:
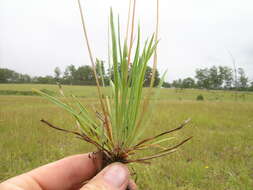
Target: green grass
{"x":171,"y":94}
{"x":220,"y":155}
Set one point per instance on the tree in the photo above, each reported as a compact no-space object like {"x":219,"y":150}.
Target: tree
{"x":24,"y":78}
{"x":251,"y":86}
{"x":243,"y":80}
{"x":10,"y":76}
{"x":72,"y":71}
{"x":188,"y":83}
{"x":68,"y":75}
{"x":214,"y":82}
{"x":177,"y":83}
{"x":228,"y":77}
{"x":84,"y":75}
{"x":214,"y":77}
{"x":5,"y":75}
{"x":57,"y":73}
{"x":166,"y":85}
{"x":202,"y":76}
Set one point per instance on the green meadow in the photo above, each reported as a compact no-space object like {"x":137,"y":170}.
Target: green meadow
{"x":220,"y":155}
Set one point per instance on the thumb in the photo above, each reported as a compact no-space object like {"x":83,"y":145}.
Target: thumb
{"x":113,"y":177}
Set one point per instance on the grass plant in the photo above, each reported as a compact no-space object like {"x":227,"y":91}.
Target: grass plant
{"x":116,"y":128}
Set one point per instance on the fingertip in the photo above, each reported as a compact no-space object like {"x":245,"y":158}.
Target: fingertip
{"x":116,"y":175}
{"x":113,"y":177}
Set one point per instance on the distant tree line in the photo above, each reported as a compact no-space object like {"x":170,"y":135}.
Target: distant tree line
{"x":72,"y":75}
{"x":221,"y":77}
{"x":10,"y":76}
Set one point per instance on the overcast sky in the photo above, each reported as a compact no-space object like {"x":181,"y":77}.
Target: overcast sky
{"x":38,"y":35}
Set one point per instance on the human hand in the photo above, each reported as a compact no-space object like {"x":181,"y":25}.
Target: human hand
{"x":69,"y":174}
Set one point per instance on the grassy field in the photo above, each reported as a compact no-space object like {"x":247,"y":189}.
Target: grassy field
{"x":166,"y":94}
{"x":220,"y":156}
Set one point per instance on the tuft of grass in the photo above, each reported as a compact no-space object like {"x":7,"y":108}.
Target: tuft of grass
{"x":117,"y":127}
{"x":200,"y":97}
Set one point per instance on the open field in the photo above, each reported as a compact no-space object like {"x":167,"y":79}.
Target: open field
{"x":220,"y":156}
{"x":167,"y":94}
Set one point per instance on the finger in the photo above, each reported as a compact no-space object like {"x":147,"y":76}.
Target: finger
{"x":68,"y":173}
{"x":113,"y":177}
